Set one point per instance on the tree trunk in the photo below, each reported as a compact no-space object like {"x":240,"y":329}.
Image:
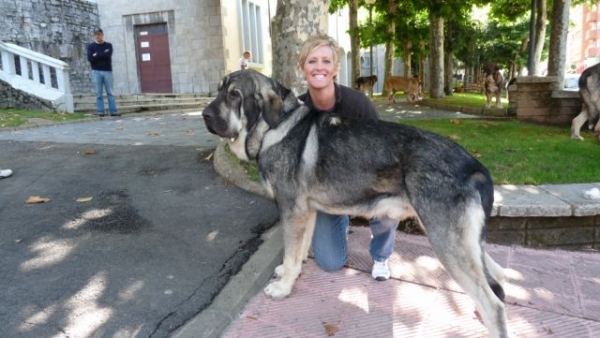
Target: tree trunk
{"x":448,"y":73}
{"x":540,"y":34}
{"x":557,"y":57}
{"x":408,"y":49}
{"x":354,"y":41}
{"x":389,"y":45}
{"x":292,"y":24}
{"x":436,"y":75}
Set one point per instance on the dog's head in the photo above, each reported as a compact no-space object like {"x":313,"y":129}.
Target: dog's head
{"x":247,"y":102}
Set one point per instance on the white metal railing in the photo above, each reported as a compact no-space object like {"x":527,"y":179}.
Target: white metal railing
{"x":36,"y":74}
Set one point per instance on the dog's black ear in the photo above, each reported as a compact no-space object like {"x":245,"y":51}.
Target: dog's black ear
{"x":271,"y":107}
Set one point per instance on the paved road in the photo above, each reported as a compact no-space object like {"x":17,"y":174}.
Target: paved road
{"x":159,"y":238}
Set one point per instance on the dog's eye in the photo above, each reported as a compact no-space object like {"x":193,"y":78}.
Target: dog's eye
{"x":232,"y":95}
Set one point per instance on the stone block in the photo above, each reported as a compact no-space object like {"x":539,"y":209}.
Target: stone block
{"x":506,"y":237}
{"x":532,"y":112}
{"x":560,"y":237}
{"x":519,"y":201}
{"x":577,"y":195}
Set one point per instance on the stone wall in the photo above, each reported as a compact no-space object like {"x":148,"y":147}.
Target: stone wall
{"x":541,"y":100}
{"x":58,"y":28}
{"x":13,"y":98}
{"x":569,"y":233}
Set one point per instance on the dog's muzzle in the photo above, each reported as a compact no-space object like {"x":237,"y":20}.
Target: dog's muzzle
{"x":216,"y":125}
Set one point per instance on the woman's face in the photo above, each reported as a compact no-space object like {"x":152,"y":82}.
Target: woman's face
{"x":320,"y":67}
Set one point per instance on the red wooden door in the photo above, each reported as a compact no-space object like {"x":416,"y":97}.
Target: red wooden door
{"x":154,"y":61}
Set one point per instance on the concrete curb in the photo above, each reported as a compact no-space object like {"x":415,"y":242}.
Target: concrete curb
{"x":212,"y":321}
{"x":235,"y":174}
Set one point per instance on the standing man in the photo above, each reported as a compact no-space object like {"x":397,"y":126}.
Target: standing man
{"x":99,"y":54}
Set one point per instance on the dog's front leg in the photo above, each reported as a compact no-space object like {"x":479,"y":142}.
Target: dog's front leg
{"x":297,"y":235}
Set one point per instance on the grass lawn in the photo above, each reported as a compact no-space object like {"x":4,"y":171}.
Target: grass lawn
{"x":469,"y":100}
{"x":11,"y":118}
{"x":522,"y":153}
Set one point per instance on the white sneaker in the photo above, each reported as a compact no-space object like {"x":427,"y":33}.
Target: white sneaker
{"x":5,"y":173}
{"x":381,"y":270}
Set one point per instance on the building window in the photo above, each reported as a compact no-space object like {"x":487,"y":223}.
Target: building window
{"x":252,"y":30}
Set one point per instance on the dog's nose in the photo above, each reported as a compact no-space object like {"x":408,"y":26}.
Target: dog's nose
{"x":208,"y":113}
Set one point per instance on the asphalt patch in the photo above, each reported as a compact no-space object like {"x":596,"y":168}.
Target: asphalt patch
{"x":138,"y":238}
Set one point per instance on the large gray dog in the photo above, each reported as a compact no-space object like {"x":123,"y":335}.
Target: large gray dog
{"x":589,"y":89}
{"x":313,"y":161}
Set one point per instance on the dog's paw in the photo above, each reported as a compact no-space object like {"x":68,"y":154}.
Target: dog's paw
{"x":279,"y":271}
{"x":576,"y":137}
{"x":278,"y":290}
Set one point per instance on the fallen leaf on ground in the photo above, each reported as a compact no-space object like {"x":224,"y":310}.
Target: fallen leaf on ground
{"x":331,"y":329}
{"x":37,"y":199}
{"x":153,"y":133}
{"x":454,"y":137}
{"x":455,"y":121}
{"x":84,"y":199}
{"x":90,"y":152}
{"x":475,"y":153}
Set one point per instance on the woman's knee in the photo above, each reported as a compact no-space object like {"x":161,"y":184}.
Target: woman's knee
{"x":330,"y":264}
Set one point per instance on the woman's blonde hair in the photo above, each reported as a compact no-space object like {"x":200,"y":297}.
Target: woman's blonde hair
{"x":315,"y":41}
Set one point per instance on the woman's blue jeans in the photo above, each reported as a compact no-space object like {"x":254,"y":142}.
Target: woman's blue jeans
{"x":330,"y":240}
{"x":104,"y":80}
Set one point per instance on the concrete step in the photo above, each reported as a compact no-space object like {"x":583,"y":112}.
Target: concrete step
{"x":144,"y":102}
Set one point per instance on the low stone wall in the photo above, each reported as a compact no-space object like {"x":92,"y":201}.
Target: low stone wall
{"x":13,"y":98}
{"x":541,"y":100}
{"x":548,"y":232}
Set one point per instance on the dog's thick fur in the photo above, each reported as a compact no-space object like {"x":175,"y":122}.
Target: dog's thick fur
{"x":411,"y":86}
{"x":493,"y":84}
{"x":366,"y":83}
{"x":589,"y":89}
{"x":312,"y":161}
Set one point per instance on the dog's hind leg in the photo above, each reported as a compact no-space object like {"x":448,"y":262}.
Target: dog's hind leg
{"x":297,"y":235}
{"x":578,"y":122}
{"x":456,"y":240}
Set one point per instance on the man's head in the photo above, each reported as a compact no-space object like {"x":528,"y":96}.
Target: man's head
{"x":99,"y":35}
{"x":247,"y":55}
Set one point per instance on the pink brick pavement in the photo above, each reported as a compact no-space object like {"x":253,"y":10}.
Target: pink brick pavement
{"x":550,"y":293}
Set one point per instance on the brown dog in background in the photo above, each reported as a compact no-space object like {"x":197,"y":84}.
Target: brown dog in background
{"x":411,"y":86}
{"x":366,"y":83}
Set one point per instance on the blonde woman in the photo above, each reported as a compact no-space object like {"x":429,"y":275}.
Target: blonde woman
{"x":320,"y":65}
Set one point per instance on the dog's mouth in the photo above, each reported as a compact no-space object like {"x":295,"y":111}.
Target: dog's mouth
{"x":217,"y":125}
